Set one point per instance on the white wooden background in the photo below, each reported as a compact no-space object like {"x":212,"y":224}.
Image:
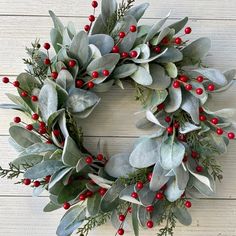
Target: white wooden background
{"x":22,"y":21}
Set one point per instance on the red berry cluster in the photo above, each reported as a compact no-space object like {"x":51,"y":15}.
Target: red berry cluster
{"x":91,"y":18}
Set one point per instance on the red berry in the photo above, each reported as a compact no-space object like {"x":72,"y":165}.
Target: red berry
{"x":178,"y":40}
{"x":124,"y":54}
{"x":86,"y":28}
{"x":170,"y":130}
{"x":34,"y":98}
{"x":199,"y":91}
{"x":176,"y":124}
{"x":16,"y":84}
{"x":188,"y":30}
{"x":29,"y":127}
{"x":165,"y":40}
{"x":150,"y":208}
{"x":72,"y":63}
{"x":211,"y":87}
{"x":185,"y":159}
{"x":95,"y":74}
{"x":106,"y":72}
{"x":66,"y":205}
{"x":168,"y":119}
{"x":194,"y":154}
{"x":200,"y":79}
{"x":134,"y":195}
{"x":47,"y":46}
{"x":150,"y":224}
{"x":82,"y":197}
{"x":102,"y":191}
{"x":91,"y":18}
{"x":47,"y":61}
{"x":214,"y":121}
{"x":139,"y":185}
{"x":89,"y":193}
{"x":161,"y":106}
{"x":100,"y":157}
{"x":182,"y":137}
{"x":202,"y":118}
{"x":133,"y":28}
{"x":90,"y":85}
{"x":94,"y":4}
{"x":17,"y":119}
{"x":42,"y":130}
{"x":42,"y":124}
{"x":5,"y":80}
{"x":188,"y":87}
{"x":160,"y":196}
{"x":199,"y":169}
{"x":129,"y":209}
{"x":201,"y":109}
{"x":36,"y":184}
{"x":133,"y":54}
{"x":47,"y":178}
{"x":54,"y":75}
{"x":219,"y":131}
{"x":79,"y":83}
{"x":183,"y":78}
{"x":122,"y":35}
{"x":231,"y":135}
{"x":176,"y":84}
{"x":157,"y":49}
{"x":35,"y":116}
{"x":121,"y":218}
{"x":115,"y":49}
{"x":120,"y":231}
{"x":24,"y":94}
{"x":188,"y":204}
{"x":27,"y":181}
{"x":89,"y":160}
{"x":149,"y":176}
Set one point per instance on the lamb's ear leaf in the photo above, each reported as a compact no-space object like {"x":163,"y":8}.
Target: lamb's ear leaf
{"x":93,"y":204}
{"x":109,"y":7}
{"x":124,"y":71}
{"x":137,"y":11}
{"x":172,"y":192}
{"x":56,"y":39}
{"x":179,"y":25}
{"x":57,"y":23}
{"x":99,"y":27}
{"x":141,"y":76}
{"x":135,"y":222}
{"x":183,"y":216}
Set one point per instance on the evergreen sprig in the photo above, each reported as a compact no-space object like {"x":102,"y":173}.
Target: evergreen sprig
{"x":12,"y":172}
{"x":123,"y":7}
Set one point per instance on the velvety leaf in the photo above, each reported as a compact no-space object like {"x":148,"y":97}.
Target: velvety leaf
{"x":166,"y":32}
{"x":135,"y":222}
{"x":28,"y":159}
{"x":125,"y":195}
{"x":187,"y":127}
{"x":71,"y":29}
{"x":93,"y":204}
{"x":57,"y":23}
{"x":65,"y":79}
{"x":99,"y":27}
{"x":53,"y":118}
{"x":56,"y":38}
{"x":159,"y":119}
{"x":143,"y":216}
{"x":67,"y":39}
{"x":63,"y":125}
{"x":137,"y":11}
{"x":172,"y":153}
{"x":172,"y":192}
{"x":115,"y":221}
{"x":51,"y":207}
{"x":38,"y":148}
{"x":144,"y":123}
{"x":141,"y":76}
{"x":146,"y":196}
{"x":104,"y":87}
{"x":109,"y":7}
{"x":156,"y":98}
{"x":171,"y":69}
{"x":179,"y":25}
{"x":13,"y":107}
{"x":171,"y":55}
{"x":183,"y":216}
{"x":103,"y":183}
{"x":226,"y":113}
{"x":182,"y":177}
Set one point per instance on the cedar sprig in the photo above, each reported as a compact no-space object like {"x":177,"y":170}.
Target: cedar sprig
{"x":123,"y":7}
{"x":12,"y":172}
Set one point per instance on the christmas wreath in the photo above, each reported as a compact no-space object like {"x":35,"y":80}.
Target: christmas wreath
{"x":154,"y":182}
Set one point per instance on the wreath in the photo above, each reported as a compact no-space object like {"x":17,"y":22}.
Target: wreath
{"x":153,"y":184}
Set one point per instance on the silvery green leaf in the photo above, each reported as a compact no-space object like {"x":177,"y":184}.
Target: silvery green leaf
{"x":182,"y":176}
{"x":135,"y":222}
{"x":174,"y":99}
{"x":124,"y":25}
{"x":57,"y":23}
{"x":218,"y":142}
{"x":43,"y":169}
{"x":137,"y":11}
{"x":179,"y":25}
{"x":79,"y":100}
{"x":119,"y":83}
{"x":172,"y":153}
{"x":156,"y":215}
{"x":145,"y":154}
{"x":15,"y":145}
{"x":99,"y":27}
{"x":71,"y":221}
{"x":143,"y":51}
{"x":38,"y":148}
{"x":171,"y":69}
{"x":115,"y":221}
{"x":164,"y":33}
{"x":53,"y":118}
{"x":48,"y":101}
{"x":104,"y":183}
{"x":106,"y":62}
{"x":226,"y":113}
{"x":71,"y":29}
{"x":23,"y":137}
{"x":32,"y":159}
{"x":51,"y":207}
{"x":13,"y":107}
{"x":60,"y":66}
{"x":95,"y":52}
{"x":66,"y":38}
{"x":171,"y":55}
{"x":156,"y":28}
{"x":172,"y":192}
{"x":141,"y":76}
{"x":204,"y":128}
{"x":159,"y":177}
{"x":81,"y":164}
{"x":79,"y":48}
{"x":62,"y":124}
{"x":195,"y":51}
{"x":93,"y":204}
{"x":56,"y":39}
{"x":160,"y":79}
{"x":143,"y":216}
{"x":213,"y":75}
{"x":190,"y":104}
{"x":124,"y":71}
{"x":38,"y":191}
{"x":203,"y":97}
{"x":187,"y":127}
{"x":103,"y":42}
{"x":144,"y":123}
{"x":125,"y":195}
{"x":146,"y":196}
{"x":183,"y":216}
{"x":111,"y":199}
{"x":143,"y":30}
{"x":65,"y":79}
{"x":71,"y":153}
{"x":118,"y":166}
{"x":157,"y":97}
{"x":159,"y":119}
{"x":109,"y":7}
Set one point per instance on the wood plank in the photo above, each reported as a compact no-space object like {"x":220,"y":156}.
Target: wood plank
{"x":17,"y":32}
{"x":24,"y":216}
{"x":112,"y":146}
{"x":194,"y":8}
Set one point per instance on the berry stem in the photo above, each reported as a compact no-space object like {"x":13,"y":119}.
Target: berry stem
{"x":91,"y":23}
